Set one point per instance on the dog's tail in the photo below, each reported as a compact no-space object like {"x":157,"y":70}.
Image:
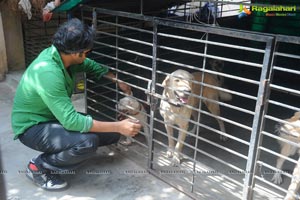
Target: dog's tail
{"x":224,"y":96}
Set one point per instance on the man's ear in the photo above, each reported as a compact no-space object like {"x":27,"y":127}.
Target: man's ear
{"x":166,"y":81}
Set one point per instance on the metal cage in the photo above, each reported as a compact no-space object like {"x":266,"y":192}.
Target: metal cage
{"x":259,"y":71}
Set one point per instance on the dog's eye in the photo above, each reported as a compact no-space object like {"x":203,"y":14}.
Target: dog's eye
{"x":176,"y":80}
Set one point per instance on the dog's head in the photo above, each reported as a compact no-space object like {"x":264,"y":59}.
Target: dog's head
{"x":127,"y":106}
{"x":178,"y":86}
{"x":215,"y":64}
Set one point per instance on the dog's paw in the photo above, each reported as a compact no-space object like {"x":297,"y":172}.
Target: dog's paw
{"x":169,"y":153}
{"x":277,"y":179}
{"x":126,"y":141}
{"x":176,"y":161}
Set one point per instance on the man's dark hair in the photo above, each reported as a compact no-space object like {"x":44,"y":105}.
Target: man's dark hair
{"x":73,"y":37}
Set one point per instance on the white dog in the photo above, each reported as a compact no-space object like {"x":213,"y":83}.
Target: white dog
{"x":129,"y":107}
{"x":176,"y":99}
{"x":291,"y":132}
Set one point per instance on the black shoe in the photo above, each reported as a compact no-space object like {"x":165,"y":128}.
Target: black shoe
{"x":44,"y":178}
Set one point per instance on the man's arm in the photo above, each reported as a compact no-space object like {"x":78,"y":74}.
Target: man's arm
{"x":92,"y":67}
{"x":122,"y":85}
{"x":125,"y":127}
{"x":111,"y":76}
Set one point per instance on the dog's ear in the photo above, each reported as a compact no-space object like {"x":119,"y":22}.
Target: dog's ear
{"x":166,"y":81}
{"x":295,"y":117}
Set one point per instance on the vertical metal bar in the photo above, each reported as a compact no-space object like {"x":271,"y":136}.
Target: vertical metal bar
{"x":184,"y":12}
{"x":142,"y":7}
{"x":94,"y":25}
{"x":152,"y":98}
{"x":69,"y":15}
{"x":199,"y":113}
{"x":117,"y":54}
{"x":94,"y":19}
{"x":257,"y":125}
{"x":221,"y":10}
{"x":216,"y":12}
{"x":85,"y":93}
{"x":81,"y":13}
{"x":199,"y":8}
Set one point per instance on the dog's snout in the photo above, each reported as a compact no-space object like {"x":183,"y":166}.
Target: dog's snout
{"x":124,"y":111}
{"x":188,"y":91}
{"x":184,"y":92}
{"x":122,"y":115}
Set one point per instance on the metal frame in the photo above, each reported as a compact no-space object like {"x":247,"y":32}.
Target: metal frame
{"x":280,"y":40}
{"x":98,"y":94}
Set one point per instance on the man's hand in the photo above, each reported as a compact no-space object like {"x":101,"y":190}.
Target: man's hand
{"x":124,"y":87}
{"x":126,"y":127}
{"x":47,"y":15}
{"x":129,"y":128}
{"x":47,"y":10}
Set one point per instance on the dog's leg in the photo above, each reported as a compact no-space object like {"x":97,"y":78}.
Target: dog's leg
{"x":286,"y":150}
{"x":126,"y":141}
{"x":177,"y":157}
{"x":147,"y":134}
{"x":295,"y":183}
{"x":215,"y":109}
{"x":170,"y":141}
{"x":195,"y":118}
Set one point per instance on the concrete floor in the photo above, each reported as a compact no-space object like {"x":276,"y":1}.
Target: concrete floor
{"x":108,"y":176}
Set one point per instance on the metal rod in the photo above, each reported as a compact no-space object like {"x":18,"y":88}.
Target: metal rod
{"x":257,"y":122}
{"x":117,"y":56}
{"x":283,"y":69}
{"x":212,"y":42}
{"x":153,"y":90}
{"x":142,"y":7}
{"x":125,"y":26}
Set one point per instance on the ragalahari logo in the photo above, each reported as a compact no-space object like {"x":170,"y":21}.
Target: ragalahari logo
{"x":244,"y":11}
{"x":268,"y":10}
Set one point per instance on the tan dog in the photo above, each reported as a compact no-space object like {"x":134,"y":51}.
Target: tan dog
{"x":294,"y":186}
{"x":176,"y":99}
{"x":129,"y":107}
{"x":289,"y":131}
{"x":216,"y":65}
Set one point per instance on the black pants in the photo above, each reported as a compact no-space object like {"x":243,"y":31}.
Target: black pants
{"x":62,"y":149}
